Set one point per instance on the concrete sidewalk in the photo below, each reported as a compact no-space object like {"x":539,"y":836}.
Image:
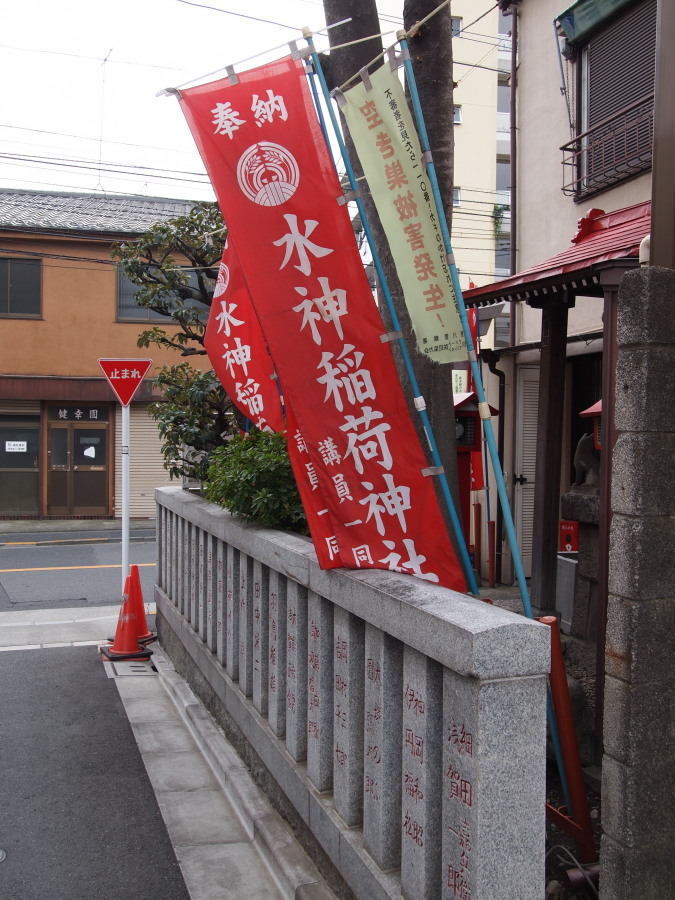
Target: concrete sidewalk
{"x":110,"y":754}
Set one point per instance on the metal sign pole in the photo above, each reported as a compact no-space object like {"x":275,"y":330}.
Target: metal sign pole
{"x":125,"y":493}
{"x":125,"y":377}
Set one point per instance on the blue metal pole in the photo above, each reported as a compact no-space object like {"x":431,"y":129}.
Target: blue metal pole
{"x":482,"y":404}
{"x":484,"y":409}
{"x":466,"y":561}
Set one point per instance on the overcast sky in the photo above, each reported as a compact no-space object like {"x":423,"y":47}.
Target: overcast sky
{"x":80,"y":81}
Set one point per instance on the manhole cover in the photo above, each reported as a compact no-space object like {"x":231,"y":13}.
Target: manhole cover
{"x":133,"y":667}
{"x":3,"y":856}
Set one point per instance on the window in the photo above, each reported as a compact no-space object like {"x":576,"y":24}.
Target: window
{"x":503,"y":175}
{"x":456,"y":197}
{"x":129,"y":311}
{"x":126,"y":305}
{"x":615,"y":64}
{"x":502,"y":255}
{"x":456,"y":27}
{"x":21,"y":288}
{"x":457,"y":115}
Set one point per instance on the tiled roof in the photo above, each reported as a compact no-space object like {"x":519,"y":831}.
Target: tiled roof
{"x":90,"y":213}
{"x":601,"y":237}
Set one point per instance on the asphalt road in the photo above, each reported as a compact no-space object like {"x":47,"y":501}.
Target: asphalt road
{"x":57,"y":569}
{"x":79,"y":820}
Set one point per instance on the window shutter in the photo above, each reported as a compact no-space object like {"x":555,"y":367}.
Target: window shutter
{"x":621,"y":62}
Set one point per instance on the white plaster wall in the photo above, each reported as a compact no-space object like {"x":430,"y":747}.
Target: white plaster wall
{"x":547,"y":218}
{"x":475,"y":144}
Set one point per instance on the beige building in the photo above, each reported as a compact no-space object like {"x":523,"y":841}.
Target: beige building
{"x":481,"y":213}
{"x":64,"y":305}
{"x":584,"y":100}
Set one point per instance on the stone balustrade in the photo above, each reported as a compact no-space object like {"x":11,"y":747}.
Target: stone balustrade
{"x":403,"y":723}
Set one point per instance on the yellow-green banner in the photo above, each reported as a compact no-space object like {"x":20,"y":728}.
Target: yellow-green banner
{"x":386,"y":141}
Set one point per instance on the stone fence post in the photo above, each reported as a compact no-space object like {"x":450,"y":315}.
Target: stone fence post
{"x":638,"y":786}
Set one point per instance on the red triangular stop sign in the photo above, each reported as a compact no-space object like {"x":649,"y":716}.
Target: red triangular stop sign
{"x":125,"y":376}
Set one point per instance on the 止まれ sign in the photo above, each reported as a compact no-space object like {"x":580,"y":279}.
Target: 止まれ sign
{"x":125,"y":376}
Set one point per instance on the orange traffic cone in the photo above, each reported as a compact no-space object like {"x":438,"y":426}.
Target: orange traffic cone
{"x":125,"y":644}
{"x":145,"y":636}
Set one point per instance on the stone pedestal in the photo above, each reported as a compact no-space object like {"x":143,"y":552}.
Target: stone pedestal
{"x":582,"y":505}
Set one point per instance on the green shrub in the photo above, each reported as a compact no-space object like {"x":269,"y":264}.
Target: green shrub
{"x":253,"y":478}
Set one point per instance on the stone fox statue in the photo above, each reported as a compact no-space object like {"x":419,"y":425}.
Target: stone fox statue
{"x":586,"y":463}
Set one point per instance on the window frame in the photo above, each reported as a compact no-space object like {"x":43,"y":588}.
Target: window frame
{"x":145,"y":315}
{"x":599,"y":157}
{"x":31,"y":263}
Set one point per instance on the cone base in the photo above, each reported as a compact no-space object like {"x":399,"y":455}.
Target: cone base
{"x":143,"y":639}
{"x":109,"y":653}
{"x":147,"y":638}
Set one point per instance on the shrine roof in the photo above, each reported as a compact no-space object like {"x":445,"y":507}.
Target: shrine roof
{"x":601,"y":238}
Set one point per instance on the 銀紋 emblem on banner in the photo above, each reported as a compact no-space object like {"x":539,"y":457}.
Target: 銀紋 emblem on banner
{"x":279,"y":194}
{"x":386,"y":142}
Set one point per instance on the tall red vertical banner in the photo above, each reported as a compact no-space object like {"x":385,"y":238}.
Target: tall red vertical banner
{"x":261,"y":143}
{"x":238,"y":353}
{"x":237,"y":350}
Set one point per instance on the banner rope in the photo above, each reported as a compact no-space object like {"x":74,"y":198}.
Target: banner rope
{"x":418,"y":399}
{"x":241,"y":62}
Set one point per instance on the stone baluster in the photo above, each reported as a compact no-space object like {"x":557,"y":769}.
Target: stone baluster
{"x":232,"y":616}
{"x":246,"y":625}
{"x":276,"y":705}
{"x":319,"y":691}
{"x":348,"y":687}
{"x":296,"y":666}
{"x":260,"y":637}
{"x":421,"y":757}
{"x":382,"y":748}
{"x":221,"y":600}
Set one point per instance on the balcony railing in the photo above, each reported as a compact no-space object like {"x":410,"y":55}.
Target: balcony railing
{"x":615,"y":149}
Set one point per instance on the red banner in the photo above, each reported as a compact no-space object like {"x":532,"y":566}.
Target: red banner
{"x":237,"y":350}
{"x":238,"y":353}
{"x":477,"y":474}
{"x":279,"y":194}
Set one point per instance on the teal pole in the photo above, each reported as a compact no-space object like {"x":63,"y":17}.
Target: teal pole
{"x":473,"y":360}
{"x":482,"y":404}
{"x":457,"y":528}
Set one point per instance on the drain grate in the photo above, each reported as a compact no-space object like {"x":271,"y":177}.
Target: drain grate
{"x":128,"y":667}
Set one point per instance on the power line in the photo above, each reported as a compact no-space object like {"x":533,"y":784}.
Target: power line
{"x":81,"y":137}
{"x":79,"y":189}
{"x":119,"y":62}
{"x":229,"y":12}
{"x":93,"y":167}
{"x":85,"y":163}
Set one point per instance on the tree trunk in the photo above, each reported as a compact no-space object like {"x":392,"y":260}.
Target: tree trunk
{"x":431,"y":52}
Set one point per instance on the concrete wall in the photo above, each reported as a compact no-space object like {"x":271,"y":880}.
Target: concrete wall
{"x":399,"y":726}
{"x":638,"y":786}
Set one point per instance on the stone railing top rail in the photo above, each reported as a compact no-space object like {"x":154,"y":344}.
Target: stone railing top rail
{"x":462,"y":633}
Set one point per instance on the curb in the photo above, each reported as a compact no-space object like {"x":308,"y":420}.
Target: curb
{"x":298,"y":876}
